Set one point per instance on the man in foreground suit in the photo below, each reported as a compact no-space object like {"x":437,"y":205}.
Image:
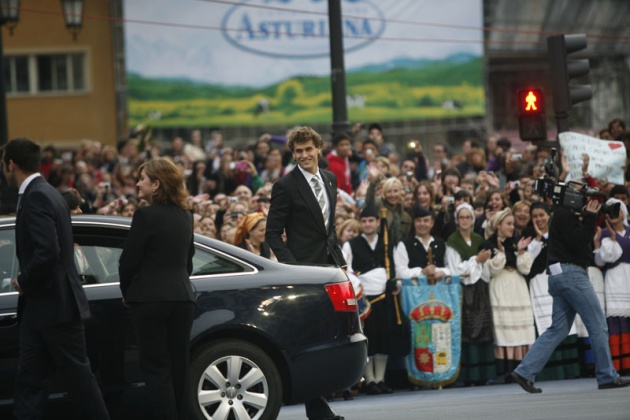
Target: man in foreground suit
{"x":52,"y":304}
{"x":303,"y":205}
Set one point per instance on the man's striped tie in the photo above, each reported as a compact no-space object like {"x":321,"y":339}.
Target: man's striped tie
{"x":319,"y":193}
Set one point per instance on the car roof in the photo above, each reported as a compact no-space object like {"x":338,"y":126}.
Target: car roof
{"x":237,"y":252}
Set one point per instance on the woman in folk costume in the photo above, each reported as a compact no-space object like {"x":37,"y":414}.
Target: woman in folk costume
{"x":464,"y":258}
{"x":512,"y":316}
{"x":615,"y":253}
{"x":563,"y":363}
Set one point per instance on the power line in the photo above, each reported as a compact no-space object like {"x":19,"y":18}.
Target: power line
{"x":310,"y":35}
{"x":217,"y":28}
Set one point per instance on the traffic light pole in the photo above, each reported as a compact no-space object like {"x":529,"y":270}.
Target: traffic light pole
{"x":562,"y":70}
{"x":562,"y":122}
{"x":337,"y":67}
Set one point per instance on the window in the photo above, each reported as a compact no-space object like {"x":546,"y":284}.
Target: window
{"x":16,"y":74}
{"x":44,"y":73}
{"x":206,"y":263}
{"x":8,"y":261}
{"x":97,"y":251}
{"x":96,"y":257}
{"x":96,"y":254}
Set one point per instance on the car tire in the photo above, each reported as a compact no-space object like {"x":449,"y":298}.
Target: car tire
{"x":218,"y":389}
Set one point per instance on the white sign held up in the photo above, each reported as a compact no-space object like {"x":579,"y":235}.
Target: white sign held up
{"x":606,"y":158}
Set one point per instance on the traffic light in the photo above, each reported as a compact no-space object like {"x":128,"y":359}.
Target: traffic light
{"x":562,"y":71}
{"x":531,"y":114}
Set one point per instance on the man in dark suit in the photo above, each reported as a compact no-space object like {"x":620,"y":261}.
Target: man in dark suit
{"x":52,"y":304}
{"x":303,"y":206}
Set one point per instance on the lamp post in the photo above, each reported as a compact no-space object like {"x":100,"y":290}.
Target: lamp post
{"x":73,"y":15}
{"x":9,"y":14}
{"x":337,"y":69}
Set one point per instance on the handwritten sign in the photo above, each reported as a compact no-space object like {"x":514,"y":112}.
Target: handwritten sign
{"x":606,"y":158}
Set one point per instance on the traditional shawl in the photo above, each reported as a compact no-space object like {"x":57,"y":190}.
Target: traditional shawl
{"x":457,"y":242}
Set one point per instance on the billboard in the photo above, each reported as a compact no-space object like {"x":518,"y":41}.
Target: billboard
{"x":266,"y":62}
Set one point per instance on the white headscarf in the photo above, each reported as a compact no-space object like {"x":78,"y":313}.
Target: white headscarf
{"x":623,"y":208}
{"x":467,"y":207}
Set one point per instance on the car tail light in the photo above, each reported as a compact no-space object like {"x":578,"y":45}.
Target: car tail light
{"x":342,"y":296}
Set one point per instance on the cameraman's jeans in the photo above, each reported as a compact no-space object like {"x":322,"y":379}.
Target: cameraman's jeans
{"x":572,"y":292}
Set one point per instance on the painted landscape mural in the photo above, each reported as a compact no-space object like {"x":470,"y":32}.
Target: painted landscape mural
{"x":266,"y":62}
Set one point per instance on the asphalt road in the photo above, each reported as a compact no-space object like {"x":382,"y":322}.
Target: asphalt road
{"x":572,"y":399}
{"x":568,"y":399}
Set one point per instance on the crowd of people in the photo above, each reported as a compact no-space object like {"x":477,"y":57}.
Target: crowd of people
{"x":477,"y":209}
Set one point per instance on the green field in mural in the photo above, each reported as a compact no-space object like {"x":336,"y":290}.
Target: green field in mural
{"x":417,"y":90}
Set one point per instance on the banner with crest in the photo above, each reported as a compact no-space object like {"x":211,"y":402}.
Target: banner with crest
{"x":434,"y":312}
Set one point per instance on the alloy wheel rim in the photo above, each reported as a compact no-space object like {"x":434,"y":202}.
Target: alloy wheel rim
{"x":233,"y":387}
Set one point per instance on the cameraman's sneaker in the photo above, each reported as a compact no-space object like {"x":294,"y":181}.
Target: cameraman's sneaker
{"x":617,"y":383}
{"x":525,"y":384}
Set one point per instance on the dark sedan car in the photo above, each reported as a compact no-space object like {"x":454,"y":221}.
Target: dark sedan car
{"x":264,"y":333}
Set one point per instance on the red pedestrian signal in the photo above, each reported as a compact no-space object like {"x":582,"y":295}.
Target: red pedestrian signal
{"x":531,"y":114}
{"x":531,"y":101}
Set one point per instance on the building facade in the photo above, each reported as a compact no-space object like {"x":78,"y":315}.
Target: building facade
{"x":62,"y":90}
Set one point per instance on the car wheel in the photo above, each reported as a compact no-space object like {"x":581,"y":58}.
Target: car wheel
{"x":234,"y":379}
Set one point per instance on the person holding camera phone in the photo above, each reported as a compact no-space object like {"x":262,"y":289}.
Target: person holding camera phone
{"x":569,"y":253}
{"x":114,"y":207}
{"x":445,"y":224}
{"x":369,"y":151}
{"x":103,"y":195}
{"x":232,"y":173}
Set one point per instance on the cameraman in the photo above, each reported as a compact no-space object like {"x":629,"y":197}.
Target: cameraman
{"x":569,"y":251}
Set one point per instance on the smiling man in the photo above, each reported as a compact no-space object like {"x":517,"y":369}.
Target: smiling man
{"x":303,"y":205}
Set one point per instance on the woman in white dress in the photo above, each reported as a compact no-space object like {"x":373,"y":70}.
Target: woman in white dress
{"x":512,"y":316}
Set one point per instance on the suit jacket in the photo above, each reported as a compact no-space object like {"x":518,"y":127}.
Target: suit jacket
{"x":295,"y":209}
{"x":52,"y":292}
{"x":156,"y":262}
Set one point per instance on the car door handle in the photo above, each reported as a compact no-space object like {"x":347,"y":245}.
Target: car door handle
{"x":8,"y":320}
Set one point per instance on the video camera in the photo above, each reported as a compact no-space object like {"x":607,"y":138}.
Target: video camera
{"x":572,"y":195}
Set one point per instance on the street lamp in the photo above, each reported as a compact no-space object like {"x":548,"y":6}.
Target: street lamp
{"x":9,"y":14}
{"x":73,"y":14}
